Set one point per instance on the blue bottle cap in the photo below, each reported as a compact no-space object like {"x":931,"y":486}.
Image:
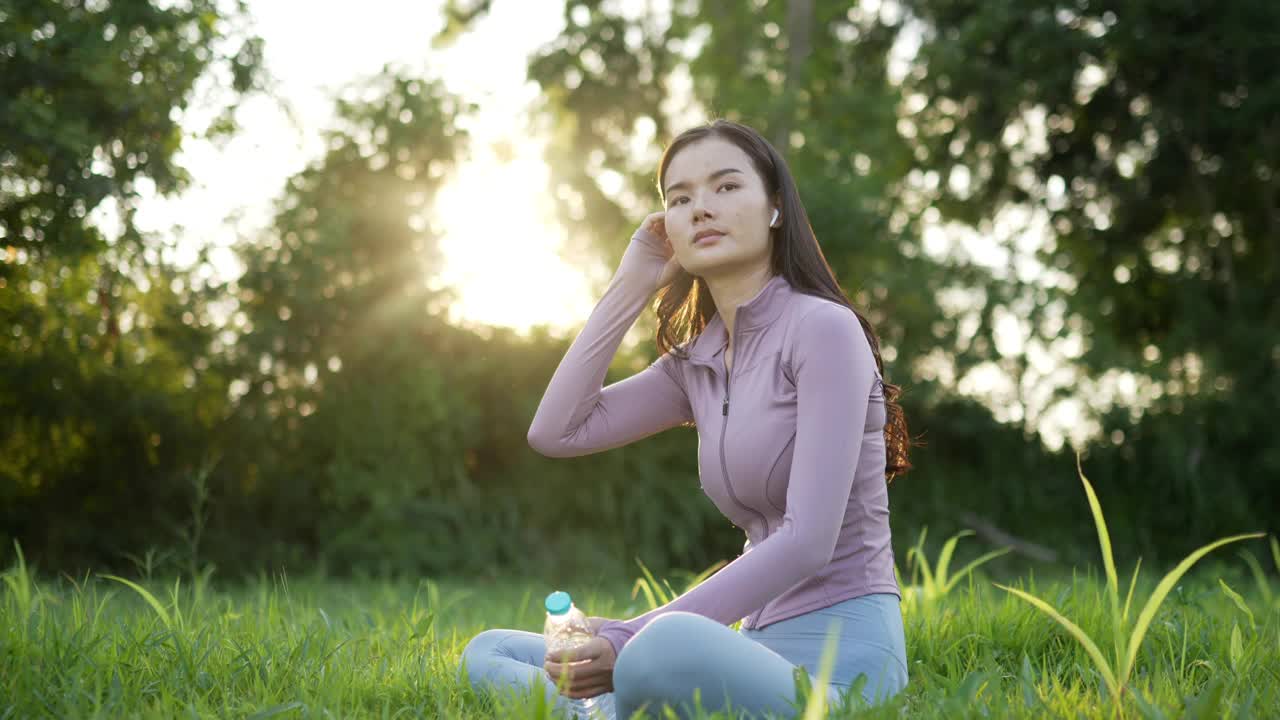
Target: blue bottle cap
{"x":558,"y":602}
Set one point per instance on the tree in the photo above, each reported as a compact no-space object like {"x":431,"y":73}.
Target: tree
{"x":105,"y":398}
{"x":348,"y":423}
{"x":93,"y":96}
{"x":1146,"y":135}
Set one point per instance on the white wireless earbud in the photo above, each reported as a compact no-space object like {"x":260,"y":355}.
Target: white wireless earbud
{"x":774,"y":219}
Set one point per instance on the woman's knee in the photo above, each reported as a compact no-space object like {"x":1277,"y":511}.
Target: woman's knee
{"x":659,"y":650}
{"x":476,"y":650}
{"x":485,"y":642}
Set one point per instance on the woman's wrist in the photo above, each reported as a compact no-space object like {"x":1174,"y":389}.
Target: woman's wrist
{"x":645,"y":257}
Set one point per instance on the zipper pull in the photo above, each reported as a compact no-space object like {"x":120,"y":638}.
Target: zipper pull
{"x":724,"y":410}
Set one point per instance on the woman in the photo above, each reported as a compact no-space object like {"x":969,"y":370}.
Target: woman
{"x":798,"y":437}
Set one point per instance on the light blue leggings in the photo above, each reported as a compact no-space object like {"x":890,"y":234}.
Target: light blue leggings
{"x":680,"y":651}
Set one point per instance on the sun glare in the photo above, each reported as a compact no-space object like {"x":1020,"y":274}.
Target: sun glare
{"x":500,"y":242}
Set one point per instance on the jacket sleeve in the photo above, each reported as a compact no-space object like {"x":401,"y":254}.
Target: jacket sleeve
{"x":577,"y":416}
{"x":835,"y":372}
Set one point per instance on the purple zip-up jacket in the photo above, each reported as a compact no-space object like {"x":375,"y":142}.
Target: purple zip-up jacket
{"x":790,"y":440}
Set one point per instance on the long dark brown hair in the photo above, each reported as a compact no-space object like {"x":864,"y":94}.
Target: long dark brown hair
{"x":685,"y":306}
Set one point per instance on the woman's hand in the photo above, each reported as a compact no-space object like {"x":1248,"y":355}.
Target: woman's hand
{"x":591,"y":673}
{"x":655,"y":223}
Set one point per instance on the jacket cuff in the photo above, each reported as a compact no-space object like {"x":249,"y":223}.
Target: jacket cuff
{"x":618,"y":633}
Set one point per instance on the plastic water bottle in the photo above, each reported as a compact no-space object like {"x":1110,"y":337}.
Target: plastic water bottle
{"x":567,"y":628}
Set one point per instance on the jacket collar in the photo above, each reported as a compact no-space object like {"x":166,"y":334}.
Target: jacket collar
{"x":757,"y":313}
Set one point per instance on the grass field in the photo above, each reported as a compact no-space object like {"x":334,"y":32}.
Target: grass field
{"x":1118,"y":643}
{"x":312,"y":647}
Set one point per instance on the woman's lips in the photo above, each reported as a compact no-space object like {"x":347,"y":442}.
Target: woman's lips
{"x":708,"y":239}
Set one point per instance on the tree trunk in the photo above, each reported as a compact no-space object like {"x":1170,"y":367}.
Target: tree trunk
{"x":799,"y":45}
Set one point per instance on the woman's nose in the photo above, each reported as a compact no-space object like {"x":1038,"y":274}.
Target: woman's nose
{"x":700,"y":209}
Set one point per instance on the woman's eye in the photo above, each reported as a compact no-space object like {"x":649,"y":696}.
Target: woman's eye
{"x":678,"y":200}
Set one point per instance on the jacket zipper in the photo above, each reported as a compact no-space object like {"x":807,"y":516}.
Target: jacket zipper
{"x":724,"y":468}
{"x":724,"y":410}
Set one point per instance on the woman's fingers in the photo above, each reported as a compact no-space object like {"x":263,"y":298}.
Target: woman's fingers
{"x":585,"y":672}
{"x":656,"y":222}
{"x":590,"y":650}
{"x":582,"y":685}
{"x":591,"y":692}
{"x":587,"y":687}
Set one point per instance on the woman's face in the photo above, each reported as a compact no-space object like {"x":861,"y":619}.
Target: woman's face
{"x":712,"y":187}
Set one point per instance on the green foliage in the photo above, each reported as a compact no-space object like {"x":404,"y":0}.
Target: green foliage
{"x":93,"y":97}
{"x":349,"y":434}
{"x":1168,"y":175}
{"x":108,"y":397}
{"x":1159,"y":191}
{"x":364,"y":434}
{"x":109,"y":388}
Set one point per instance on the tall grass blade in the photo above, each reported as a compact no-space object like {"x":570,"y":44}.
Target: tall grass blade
{"x":1240,"y":603}
{"x":1077,"y":632}
{"x":918,"y":562}
{"x":19,"y":582}
{"x":700,"y":577}
{"x":151,"y":599}
{"x":927,"y":581}
{"x":1108,"y":559}
{"x":981,"y":560}
{"x":25,"y":592}
{"x":1162,"y":590}
{"x":1128,"y":598}
{"x":948,"y":549}
{"x":1236,"y":653}
{"x":176,"y":593}
{"x":653,"y":592}
{"x":1259,"y":576}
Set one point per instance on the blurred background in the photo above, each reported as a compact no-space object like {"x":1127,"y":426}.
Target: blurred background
{"x":282,"y":282}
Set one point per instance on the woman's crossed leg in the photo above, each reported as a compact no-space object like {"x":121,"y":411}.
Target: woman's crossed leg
{"x":686,"y":660}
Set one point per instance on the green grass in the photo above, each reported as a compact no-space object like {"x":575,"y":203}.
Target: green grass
{"x":1205,"y":644}
{"x":313,"y":647}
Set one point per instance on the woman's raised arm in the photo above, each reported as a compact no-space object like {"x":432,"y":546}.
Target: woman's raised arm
{"x":577,"y":416}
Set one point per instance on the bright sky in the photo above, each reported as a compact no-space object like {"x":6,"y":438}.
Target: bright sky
{"x":504,"y":260}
